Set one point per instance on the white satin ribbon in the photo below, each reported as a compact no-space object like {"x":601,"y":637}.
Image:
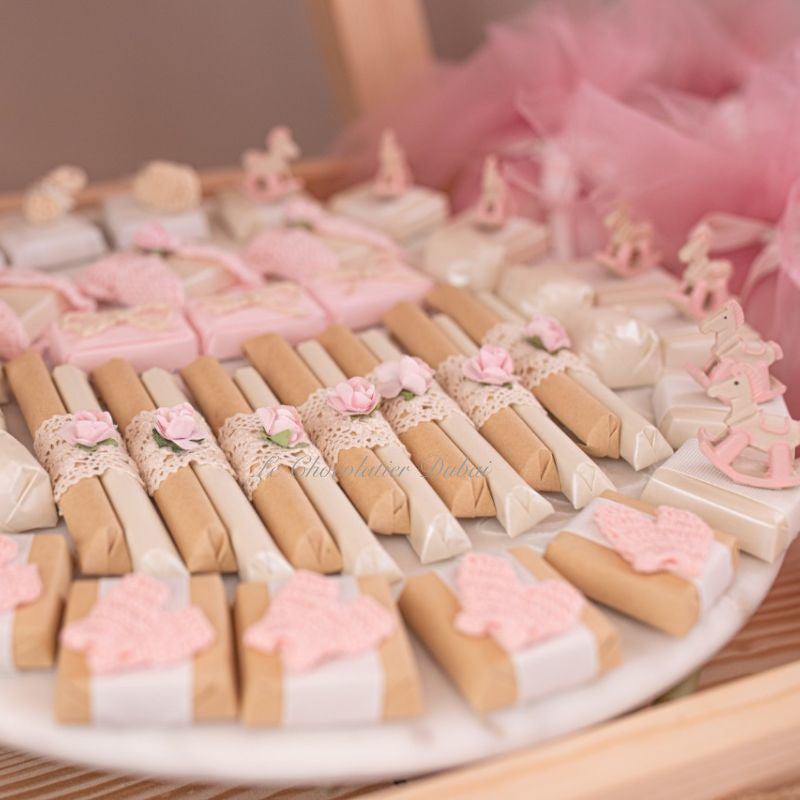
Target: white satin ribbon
{"x":152,"y":696}
{"x":560,"y":662}
{"x":341,"y":690}
{"x":24,"y":542}
{"x":711,"y":583}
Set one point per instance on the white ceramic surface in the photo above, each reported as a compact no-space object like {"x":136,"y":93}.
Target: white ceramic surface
{"x":448,"y":735}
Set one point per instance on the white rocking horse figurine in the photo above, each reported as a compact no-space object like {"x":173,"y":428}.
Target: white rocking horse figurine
{"x":630,"y":248}
{"x":393,"y":177}
{"x":748,"y":426}
{"x":704,"y":286}
{"x":491,"y":209}
{"x":267,"y":173}
{"x":735,"y":343}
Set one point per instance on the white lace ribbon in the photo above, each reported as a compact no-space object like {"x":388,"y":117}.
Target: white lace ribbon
{"x":479,"y":401}
{"x":156,"y":463}
{"x":252,"y":455}
{"x":531,"y":365}
{"x":67,"y":463}
{"x":333,"y":432}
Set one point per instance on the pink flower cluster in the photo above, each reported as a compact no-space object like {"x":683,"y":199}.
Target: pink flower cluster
{"x":406,"y":375}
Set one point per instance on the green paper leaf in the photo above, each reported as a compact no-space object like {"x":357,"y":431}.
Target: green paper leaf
{"x":168,"y":443}
{"x":408,"y":395}
{"x":93,"y":447}
{"x":281,"y":439}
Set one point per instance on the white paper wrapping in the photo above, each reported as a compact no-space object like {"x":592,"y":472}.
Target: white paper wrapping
{"x":7,"y":617}
{"x":544,"y":288}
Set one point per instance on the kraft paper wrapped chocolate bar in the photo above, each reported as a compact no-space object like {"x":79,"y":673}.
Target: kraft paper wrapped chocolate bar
{"x":29,"y":302}
{"x":163,"y":192}
{"x":223,"y":321}
{"x":664,"y":566}
{"x":35,"y":572}
{"x":507,"y":628}
{"x":155,"y":335}
{"x":390,"y":202}
{"x":357,"y":292}
{"x":473,"y":249}
{"x":317,"y":650}
{"x":45,"y":235}
{"x":268,"y":187}
{"x":143,"y":651}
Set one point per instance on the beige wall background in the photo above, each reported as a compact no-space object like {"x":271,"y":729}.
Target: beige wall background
{"x":109,"y":84}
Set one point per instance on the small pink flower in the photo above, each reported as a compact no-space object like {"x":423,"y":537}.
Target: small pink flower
{"x":492,"y":365}
{"x":153,"y":237}
{"x":283,"y":426}
{"x":179,"y":426}
{"x":546,"y":333}
{"x":410,"y":375}
{"x":89,"y":428}
{"x":354,"y":397}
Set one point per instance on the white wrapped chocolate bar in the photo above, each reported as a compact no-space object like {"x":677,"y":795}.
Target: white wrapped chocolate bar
{"x":764,"y":521}
{"x":544,"y":288}
{"x":681,"y":407}
{"x":67,"y":240}
{"x":649,"y":286}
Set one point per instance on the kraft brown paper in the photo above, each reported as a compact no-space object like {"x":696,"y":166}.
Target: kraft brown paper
{"x":663,"y":600}
{"x":478,"y":665}
{"x":36,"y":625}
{"x":279,"y":499}
{"x":88,"y":513}
{"x":464,"y":495}
{"x":528,"y":456}
{"x":378,"y":498}
{"x":214,"y":668}
{"x":261,"y":674}
{"x":199,"y":533}
{"x":589,"y":420}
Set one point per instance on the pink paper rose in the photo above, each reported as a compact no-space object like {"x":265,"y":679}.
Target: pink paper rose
{"x":546,"y":333}
{"x":409,"y":375}
{"x":492,"y":365}
{"x":354,"y":397}
{"x":283,"y":426}
{"x":153,"y":237}
{"x":177,"y":428}
{"x":89,"y":429}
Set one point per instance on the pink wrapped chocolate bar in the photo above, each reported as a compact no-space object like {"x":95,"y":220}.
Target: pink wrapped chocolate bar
{"x":155,"y":335}
{"x":225,"y":320}
{"x":357,"y":292}
{"x":29,"y":302}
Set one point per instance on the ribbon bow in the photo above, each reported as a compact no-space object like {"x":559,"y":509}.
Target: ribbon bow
{"x":152,"y":318}
{"x":354,"y":274}
{"x":282,"y":298}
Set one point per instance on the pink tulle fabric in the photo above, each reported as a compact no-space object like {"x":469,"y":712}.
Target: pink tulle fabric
{"x":677,"y":109}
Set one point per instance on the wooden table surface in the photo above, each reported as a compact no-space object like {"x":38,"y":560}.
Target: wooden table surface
{"x":770,"y":638}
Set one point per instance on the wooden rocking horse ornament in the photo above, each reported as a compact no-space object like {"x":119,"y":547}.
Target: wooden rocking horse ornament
{"x":735,"y":343}
{"x":630,"y":249}
{"x":748,"y":426}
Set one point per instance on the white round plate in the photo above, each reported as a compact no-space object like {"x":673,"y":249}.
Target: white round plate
{"x":448,"y":735}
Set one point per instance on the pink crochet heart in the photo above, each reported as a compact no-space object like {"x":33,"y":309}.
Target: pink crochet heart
{"x":308,"y":623}
{"x":495,"y":602}
{"x":674,"y":541}
{"x":19,"y":583}
{"x":129,"y":628}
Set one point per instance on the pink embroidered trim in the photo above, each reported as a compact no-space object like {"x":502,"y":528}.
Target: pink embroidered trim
{"x":129,"y":628}
{"x":309,"y":624}
{"x":495,"y":602}
{"x":20,"y":584}
{"x":13,"y":336}
{"x":674,"y":541}
{"x":293,"y":253}
{"x":33,"y":279}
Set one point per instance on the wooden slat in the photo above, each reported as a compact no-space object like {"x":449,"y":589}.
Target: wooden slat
{"x":372,"y":48}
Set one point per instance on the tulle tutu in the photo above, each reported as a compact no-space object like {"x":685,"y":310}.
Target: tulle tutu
{"x":677,"y":108}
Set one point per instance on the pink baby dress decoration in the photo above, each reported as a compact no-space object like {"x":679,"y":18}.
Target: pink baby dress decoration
{"x":495,"y":602}
{"x":309,"y":624}
{"x":747,"y":426}
{"x":630,"y":249}
{"x":394,"y":176}
{"x":20,"y":584}
{"x":674,"y":541}
{"x":267,"y":173}
{"x":130,"y":628}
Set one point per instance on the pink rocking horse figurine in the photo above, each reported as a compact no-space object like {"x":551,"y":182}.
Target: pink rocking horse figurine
{"x":491,"y":210}
{"x":704,"y":286}
{"x":735,"y":343}
{"x":394,"y":176}
{"x":775,"y":435}
{"x":630,"y":248}
{"x":267,"y":173}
